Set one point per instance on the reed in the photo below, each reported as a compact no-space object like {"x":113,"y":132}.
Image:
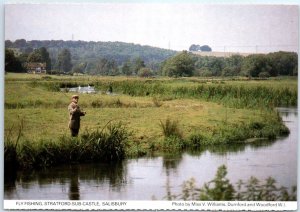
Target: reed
{"x":233,"y":95}
{"x":221,"y":189}
{"x":106,"y":144}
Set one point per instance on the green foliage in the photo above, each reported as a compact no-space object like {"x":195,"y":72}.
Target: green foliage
{"x":272,"y":64}
{"x":12,"y":63}
{"x":283,"y":63}
{"x":145,"y":72}
{"x":253,"y":65}
{"x":64,"y":61}
{"x":197,"y":140}
{"x":181,"y":65}
{"x":173,"y":143}
{"x":40,"y":55}
{"x":221,"y":189}
{"x":209,"y":66}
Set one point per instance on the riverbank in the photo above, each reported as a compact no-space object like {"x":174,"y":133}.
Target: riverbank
{"x":153,"y":122}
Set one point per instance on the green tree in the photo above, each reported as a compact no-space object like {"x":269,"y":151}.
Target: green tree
{"x":12,"y":63}
{"x":137,"y":64}
{"x":64,"y":61}
{"x":254,"y":64}
{"x":40,"y":55}
{"x":126,"y":68}
{"x":79,"y":68}
{"x":283,"y":63}
{"x":145,"y":72}
{"x":233,"y":65}
{"x":181,"y":65}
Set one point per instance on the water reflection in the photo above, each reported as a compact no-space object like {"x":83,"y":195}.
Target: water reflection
{"x":231,"y":148}
{"x":113,"y":174}
{"x":171,"y":161}
{"x":74,"y":184}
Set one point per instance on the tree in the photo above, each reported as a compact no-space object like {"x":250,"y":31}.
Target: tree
{"x":40,"y":55}
{"x":233,"y":65}
{"x":20,"y":43}
{"x":8,"y":44}
{"x":179,"y":66}
{"x":283,"y":63}
{"x":205,"y":48}
{"x":12,"y":63}
{"x":107,"y":67}
{"x":254,"y":64}
{"x":145,"y":72}
{"x":64,"y":61}
{"x":79,"y":68}
{"x":194,"y":48}
{"x":137,"y":64}
{"x":126,"y":69}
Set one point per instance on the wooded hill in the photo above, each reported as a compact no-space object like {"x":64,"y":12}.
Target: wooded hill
{"x":92,"y":52}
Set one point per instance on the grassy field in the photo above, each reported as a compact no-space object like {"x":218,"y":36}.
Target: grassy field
{"x":204,"y":111}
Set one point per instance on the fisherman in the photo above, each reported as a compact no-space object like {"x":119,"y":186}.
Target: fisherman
{"x":75,"y":113}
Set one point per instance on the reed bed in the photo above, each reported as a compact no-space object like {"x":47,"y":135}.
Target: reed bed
{"x":106,"y":144}
{"x":239,"y":96}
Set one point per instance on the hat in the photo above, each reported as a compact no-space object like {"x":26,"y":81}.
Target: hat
{"x":75,"y":96}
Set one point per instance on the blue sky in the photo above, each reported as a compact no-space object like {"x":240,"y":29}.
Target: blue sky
{"x":235,"y":27}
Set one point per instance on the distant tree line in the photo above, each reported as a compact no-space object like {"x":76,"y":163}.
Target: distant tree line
{"x":61,"y":60}
{"x":255,"y":65}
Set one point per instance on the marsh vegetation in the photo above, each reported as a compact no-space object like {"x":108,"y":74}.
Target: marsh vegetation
{"x":156,"y":115}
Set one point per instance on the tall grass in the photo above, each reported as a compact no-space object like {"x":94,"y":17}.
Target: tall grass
{"x":239,"y":96}
{"x":106,"y":144}
{"x":245,"y":94}
{"x":173,"y":136}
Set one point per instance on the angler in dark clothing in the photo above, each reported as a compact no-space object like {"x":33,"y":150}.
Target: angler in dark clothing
{"x":75,"y":113}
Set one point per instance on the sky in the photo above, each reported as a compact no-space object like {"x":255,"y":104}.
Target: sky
{"x":229,"y":28}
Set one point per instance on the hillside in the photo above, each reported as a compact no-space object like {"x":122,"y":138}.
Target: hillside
{"x":92,"y":52}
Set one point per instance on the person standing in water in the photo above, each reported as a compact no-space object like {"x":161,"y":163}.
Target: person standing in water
{"x":75,"y":113}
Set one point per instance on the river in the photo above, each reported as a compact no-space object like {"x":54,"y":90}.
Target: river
{"x":147,"y":178}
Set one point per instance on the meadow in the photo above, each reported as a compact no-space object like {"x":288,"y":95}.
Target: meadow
{"x":141,"y":117}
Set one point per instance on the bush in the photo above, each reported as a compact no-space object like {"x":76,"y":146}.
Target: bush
{"x":264,"y":74}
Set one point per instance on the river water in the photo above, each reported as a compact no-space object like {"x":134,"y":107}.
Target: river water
{"x":147,"y":178}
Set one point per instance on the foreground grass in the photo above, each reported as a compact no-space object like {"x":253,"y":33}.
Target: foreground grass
{"x":196,"y":121}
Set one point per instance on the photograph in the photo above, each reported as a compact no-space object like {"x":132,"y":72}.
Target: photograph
{"x":186,"y":104}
